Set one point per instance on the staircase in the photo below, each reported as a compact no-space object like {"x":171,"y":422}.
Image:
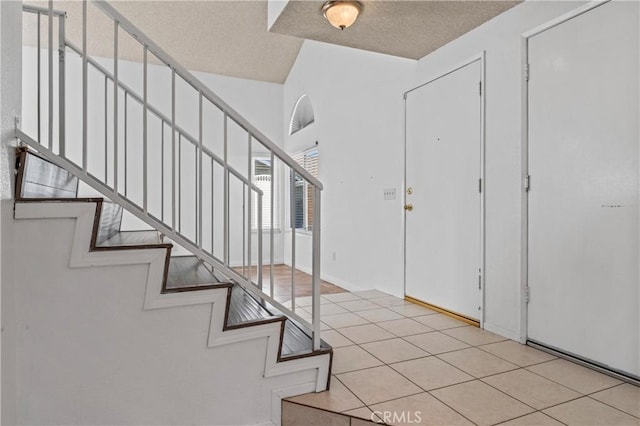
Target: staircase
{"x":255,"y":349}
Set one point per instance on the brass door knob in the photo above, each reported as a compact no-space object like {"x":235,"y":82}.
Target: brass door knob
{"x":408,"y":207}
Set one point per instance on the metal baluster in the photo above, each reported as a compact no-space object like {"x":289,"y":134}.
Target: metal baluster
{"x":61,"y":86}
{"x":293,"y":240}
{"x":259,"y":219}
{"x":162,"y":169}
{"x":145,"y":147}
{"x":39,"y":100}
{"x":213,"y":222}
{"x":115,"y":107}
{"x":50,"y":69}
{"x":244,"y":236}
{"x":179,"y":183}
{"x":226,"y":195}
{"x":249,"y":202}
{"x":315,"y":269}
{"x":106,"y":132}
{"x":126,"y":147}
{"x":173,"y":149}
{"x":199,"y":193}
{"x":271,"y":243}
{"x":197,"y":207}
{"x":85,"y":103}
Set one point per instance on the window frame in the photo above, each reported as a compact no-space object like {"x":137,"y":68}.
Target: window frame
{"x":307,"y":213}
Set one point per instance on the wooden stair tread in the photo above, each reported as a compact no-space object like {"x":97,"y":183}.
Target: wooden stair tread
{"x":109,"y":223}
{"x":40,"y":178}
{"x":188,"y":271}
{"x":244,"y":309}
{"x":295,"y":342}
{"x":132,"y":238}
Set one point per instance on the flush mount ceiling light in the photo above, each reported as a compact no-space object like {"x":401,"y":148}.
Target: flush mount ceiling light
{"x":341,"y":14}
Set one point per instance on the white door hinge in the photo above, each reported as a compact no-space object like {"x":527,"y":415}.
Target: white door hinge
{"x":479,"y":282}
{"x":527,"y":183}
{"x":480,"y":88}
{"x":526,"y":72}
{"x":480,"y":185}
{"x":526,"y":294}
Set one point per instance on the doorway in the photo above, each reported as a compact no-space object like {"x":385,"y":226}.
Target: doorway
{"x":444,"y":149}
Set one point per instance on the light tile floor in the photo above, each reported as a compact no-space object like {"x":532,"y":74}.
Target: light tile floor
{"x":417,"y":366}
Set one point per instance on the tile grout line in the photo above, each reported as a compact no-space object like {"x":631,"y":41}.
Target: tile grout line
{"x":561,"y":384}
{"x":611,"y":406}
{"x":389,"y":364}
{"x":352,"y":392}
{"x":323,"y":409}
{"x":536,"y":409}
{"x":525,"y":415}
{"x":505,"y":359}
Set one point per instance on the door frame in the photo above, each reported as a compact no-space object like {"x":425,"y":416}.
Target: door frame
{"x":524,"y":85}
{"x":481,"y":261}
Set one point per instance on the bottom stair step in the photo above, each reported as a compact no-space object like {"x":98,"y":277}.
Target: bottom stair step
{"x":245,"y":309}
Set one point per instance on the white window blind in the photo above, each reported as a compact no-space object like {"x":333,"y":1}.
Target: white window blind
{"x":262,"y":175}
{"x":302,"y":212}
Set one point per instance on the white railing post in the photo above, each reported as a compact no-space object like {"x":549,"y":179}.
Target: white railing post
{"x":145,"y":137}
{"x":38,"y":88}
{"x":125,"y":145}
{"x":61,"y":85}
{"x":106,"y":131}
{"x":271,"y":232}
{"x":50,"y":70}
{"x":259,"y":260}
{"x":115,"y":107}
{"x":249,"y":207}
{"x":292,"y":202}
{"x":225,"y":219}
{"x":85,"y":104}
{"x":173,"y":149}
{"x":199,"y":198}
{"x":315,"y":268}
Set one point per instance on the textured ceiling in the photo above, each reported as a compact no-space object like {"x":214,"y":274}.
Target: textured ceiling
{"x":410,"y":29}
{"x":231,"y":38}
{"x":221,"y":37}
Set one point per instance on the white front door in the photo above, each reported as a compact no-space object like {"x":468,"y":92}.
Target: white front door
{"x":443,"y":229}
{"x":583,"y":198}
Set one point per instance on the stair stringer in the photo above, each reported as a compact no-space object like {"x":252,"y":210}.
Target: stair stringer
{"x":84,"y":214}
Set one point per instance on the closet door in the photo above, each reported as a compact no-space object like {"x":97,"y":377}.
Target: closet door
{"x":583,"y":198}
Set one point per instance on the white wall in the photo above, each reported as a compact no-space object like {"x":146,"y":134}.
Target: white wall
{"x":10,"y":99}
{"x":357,"y":97}
{"x":358,"y":105}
